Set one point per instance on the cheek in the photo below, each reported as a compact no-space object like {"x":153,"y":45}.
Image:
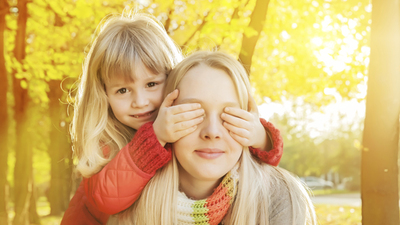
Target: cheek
{"x":182,"y":146}
{"x":157,"y":97}
{"x":179,"y":151}
{"x":118,"y":106}
{"x":185,"y":141}
{"x":113,"y":105}
{"x":229,"y":139}
{"x":235,"y":146}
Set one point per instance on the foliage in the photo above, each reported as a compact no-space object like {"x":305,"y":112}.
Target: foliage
{"x":305,"y":46}
{"x":308,"y":46}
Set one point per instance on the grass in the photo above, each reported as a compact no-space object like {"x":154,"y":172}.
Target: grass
{"x":338,"y":215}
{"x":43,"y":209}
{"x":329,"y":192}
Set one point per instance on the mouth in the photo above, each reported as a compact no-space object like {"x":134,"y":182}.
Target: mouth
{"x":209,"y":153}
{"x":143,"y":115}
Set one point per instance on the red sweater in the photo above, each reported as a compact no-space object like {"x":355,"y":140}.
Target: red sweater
{"x":118,"y":185}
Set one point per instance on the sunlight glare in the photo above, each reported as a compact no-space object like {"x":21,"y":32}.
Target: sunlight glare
{"x":317,"y":41}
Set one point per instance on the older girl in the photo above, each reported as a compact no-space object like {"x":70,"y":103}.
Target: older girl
{"x":212,"y":178}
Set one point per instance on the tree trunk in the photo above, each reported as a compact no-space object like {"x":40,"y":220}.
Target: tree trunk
{"x":23,"y":159}
{"x":60,"y":151}
{"x":33,"y":215}
{"x":23,"y":177}
{"x":379,"y":172}
{"x":3,"y":119}
{"x":257,"y":21}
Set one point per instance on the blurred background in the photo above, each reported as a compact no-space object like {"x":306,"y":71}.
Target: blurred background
{"x":309,"y":63}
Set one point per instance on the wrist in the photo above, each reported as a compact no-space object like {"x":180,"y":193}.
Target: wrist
{"x":158,"y":135}
{"x":265,"y":143}
{"x":162,"y":143}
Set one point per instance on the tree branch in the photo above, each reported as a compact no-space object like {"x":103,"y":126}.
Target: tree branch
{"x":235,"y":15}
{"x":197,"y":30}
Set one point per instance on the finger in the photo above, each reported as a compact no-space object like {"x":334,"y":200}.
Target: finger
{"x":235,"y":121}
{"x":169,"y":100}
{"x":252,"y":105}
{"x":176,"y":109}
{"x":188,"y":115}
{"x":241,"y":140}
{"x":187,"y":124}
{"x":240,"y":113}
{"x":237,"y":130}
{"x":182,"y":133}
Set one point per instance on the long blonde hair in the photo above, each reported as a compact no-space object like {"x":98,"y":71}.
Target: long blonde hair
{"x":124,"y":42}
{"x":157,"y":203}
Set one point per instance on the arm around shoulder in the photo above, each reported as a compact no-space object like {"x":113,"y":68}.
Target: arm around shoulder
{"x":118,"y":185}
{"x":81,"y":212}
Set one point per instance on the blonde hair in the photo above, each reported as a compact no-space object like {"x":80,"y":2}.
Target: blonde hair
{"x":124,"y":42}
{"x":157,"y":203}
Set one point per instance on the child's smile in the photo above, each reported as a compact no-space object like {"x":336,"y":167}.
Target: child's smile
{"x":135,"y":100}
{"x":143,"y":115}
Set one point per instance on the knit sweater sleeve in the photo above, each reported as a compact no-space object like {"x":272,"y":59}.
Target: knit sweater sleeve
{"x":118,"y":185}
{"x":274,"y":155}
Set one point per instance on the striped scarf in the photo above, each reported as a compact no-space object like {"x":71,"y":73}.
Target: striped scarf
{"x":213,"y":209}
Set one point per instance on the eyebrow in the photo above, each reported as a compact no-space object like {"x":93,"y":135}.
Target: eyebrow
{"x":196,"y":100}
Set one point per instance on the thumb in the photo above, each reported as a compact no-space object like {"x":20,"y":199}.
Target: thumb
{"x":169,"y":100}
{"x":252,"y":107}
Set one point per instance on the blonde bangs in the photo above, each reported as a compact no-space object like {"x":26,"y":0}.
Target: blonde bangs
{"x":133,"y":46}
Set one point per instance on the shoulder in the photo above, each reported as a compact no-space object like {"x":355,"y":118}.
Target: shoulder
{"x":280,"y":208}
{"x":286,"y":198}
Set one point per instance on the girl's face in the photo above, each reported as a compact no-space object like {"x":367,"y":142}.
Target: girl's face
{"x":209,"y":152}
{"x":136,"y":101}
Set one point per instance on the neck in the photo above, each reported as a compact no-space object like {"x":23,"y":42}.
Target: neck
{"x":194,"y":188}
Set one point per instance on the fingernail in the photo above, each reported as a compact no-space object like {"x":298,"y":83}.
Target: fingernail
{"x":226,"y":109}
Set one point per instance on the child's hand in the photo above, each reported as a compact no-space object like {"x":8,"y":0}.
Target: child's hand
{"x":175,"y":122}
{"x":245,"y":127}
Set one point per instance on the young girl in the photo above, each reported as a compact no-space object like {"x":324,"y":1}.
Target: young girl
{"x":120,"y":95}
{"x":212,"y":179}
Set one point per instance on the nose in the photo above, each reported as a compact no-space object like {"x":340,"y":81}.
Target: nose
{"x":212,"y":127}
{"x":140,"y":99}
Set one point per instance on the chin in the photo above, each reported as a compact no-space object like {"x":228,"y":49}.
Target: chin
{"x":211,"y":174}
